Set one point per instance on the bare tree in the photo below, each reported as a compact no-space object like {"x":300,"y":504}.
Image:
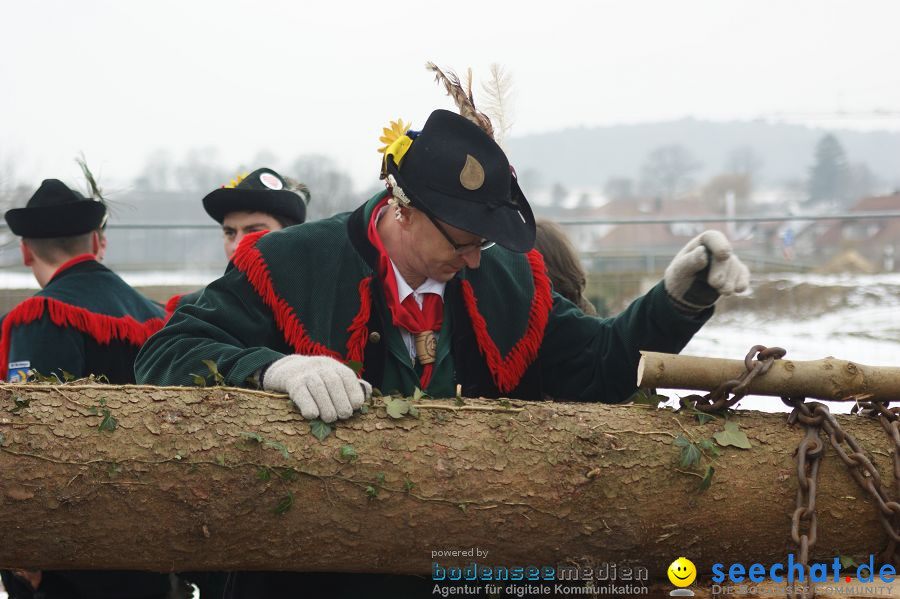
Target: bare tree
{"x":667,"y":170}
{"x":201,"y":170}
{"x":619,"y":188}
{"x":331,"y":190}
{"x":158,"y":173}
{"x":744,"y":160}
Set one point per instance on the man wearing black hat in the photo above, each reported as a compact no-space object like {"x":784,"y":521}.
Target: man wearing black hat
{"x":85,"y":320}
{"x":260,"y":201}
{"x":430,"y":284}
{"x":421,"y":295}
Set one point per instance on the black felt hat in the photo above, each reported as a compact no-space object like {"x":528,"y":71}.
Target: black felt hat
{"x":56,"y":211}
{"x":456,"y":173}
{"x":263,"y":190}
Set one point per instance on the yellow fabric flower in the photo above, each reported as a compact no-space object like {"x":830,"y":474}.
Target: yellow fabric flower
{"x":398,"y":149}
{"x":234,"y":182}
{"x":396,"y":131}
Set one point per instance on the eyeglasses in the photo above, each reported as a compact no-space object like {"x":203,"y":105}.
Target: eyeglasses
{"x":460,"y":248}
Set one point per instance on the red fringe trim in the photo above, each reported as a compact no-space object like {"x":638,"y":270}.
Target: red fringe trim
{"x":172,"y":305}
{"x":508,"y":371}
{"x":249,"y":260}
{"x":359,"y":332}
{"x":101,"y":327}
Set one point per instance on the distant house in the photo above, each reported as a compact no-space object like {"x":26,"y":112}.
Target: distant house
{"x":875,"y":239}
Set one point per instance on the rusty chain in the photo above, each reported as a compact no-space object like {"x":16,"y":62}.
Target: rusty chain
{"x":890,"y":422}
{"x":808,"y":456}
{"x":817,"y":417}
{"x":717,"y":400}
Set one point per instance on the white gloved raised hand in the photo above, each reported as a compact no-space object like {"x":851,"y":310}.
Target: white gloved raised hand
{"x":703,"y":270}
{"x":320,"y":386}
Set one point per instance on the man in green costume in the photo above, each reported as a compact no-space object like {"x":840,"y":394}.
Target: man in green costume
{"x":85,"y":320}
{"x":432,"y":283}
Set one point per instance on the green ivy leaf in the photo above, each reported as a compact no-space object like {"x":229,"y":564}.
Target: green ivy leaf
{"x":690,"y":455}
{"x":847,"y":562}
{"x":288,"y":474}
{"x":280,"y":447}
{"x":68,"y":376}
{"x":220,"y":460}
{"x":252,"y":436}
{"x":647,"y":397}
{"x":707,"y":477}
{"x":380,"y":478}
{"x":109,"y":423}
{"x":376,"y":392}
{"x":199,"y":381}
{"x":408,"y":485}
{"x":371,"y":492}
{"x":681,"y":441}
{"x":504,"y":403}
{"x":263,"y":474}
{"x":732,"y":435}
{"x":364,"y":409}
{"x":708,"y":445}
{"x":414,"y":411}
{"x":211,"y":366}
{"x":319,"y":429}
{"x":20,"y":404}
{"x":285,"y":504}
{"x":348,"y":453}
{"x":397,"y":408}
{"x":703,"y":417}
{"x":458,"y":401}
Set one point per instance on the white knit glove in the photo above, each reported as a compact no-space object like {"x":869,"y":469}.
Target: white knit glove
{"x":703,"y":270}
{"x":320,"y":386}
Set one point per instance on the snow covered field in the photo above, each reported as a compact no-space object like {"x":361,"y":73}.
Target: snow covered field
{"x":812,"y":316}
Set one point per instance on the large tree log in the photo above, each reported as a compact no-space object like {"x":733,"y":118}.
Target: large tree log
{"x":192,"y":479}
{"x":830,"y":379}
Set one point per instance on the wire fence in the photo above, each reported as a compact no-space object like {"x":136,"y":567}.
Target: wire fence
{"x":622,"y":256}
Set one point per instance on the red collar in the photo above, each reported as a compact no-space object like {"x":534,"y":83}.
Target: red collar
{"x":73,"y":262}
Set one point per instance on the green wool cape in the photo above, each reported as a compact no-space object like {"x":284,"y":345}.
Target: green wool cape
{"x":86,"y":320}
{"x":313,"y":289}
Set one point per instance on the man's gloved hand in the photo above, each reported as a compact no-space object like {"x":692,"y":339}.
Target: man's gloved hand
{"x":320,"y":386}
{"x":703,"y":270}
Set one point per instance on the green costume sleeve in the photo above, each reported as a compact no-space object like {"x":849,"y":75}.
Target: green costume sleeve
{"x":229,"y":325}
{"x":46,"y":348}
{"x":584,"y":358}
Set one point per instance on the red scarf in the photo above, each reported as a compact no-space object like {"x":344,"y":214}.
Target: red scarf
{"x":407,"y":315}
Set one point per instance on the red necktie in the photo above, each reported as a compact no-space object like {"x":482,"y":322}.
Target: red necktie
{"x":407,"y":314}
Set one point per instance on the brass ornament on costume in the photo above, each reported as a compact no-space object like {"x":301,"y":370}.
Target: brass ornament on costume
{"x":426,"y":347}
{"x":472,"y":174}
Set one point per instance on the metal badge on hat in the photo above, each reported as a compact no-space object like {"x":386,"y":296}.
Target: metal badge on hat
{"x":472,"y":174}
{"x":271,"y":181}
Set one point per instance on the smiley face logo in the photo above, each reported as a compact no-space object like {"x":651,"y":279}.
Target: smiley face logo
{"x":682,"y":572}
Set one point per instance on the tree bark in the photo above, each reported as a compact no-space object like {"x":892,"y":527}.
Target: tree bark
{"x":195,"y":478}
{"x":829,"y":379}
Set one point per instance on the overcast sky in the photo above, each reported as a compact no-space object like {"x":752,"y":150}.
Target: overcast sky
{"x":118,"y":80}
